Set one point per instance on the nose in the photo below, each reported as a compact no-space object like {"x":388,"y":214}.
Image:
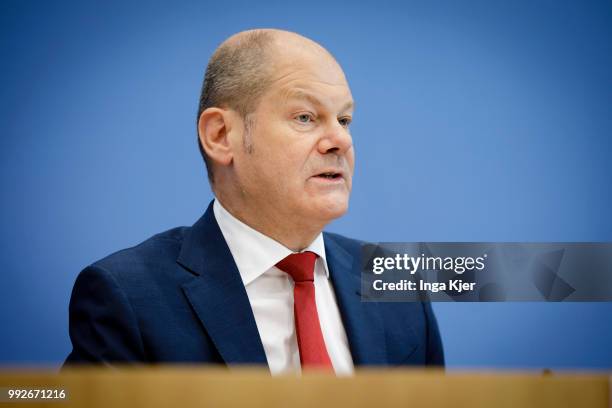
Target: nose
{"x":336,"y":139}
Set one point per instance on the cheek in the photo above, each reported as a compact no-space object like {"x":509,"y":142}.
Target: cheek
{"x":351,"y":158}
{"x":281,"y":157}
{"x":277,"y":171}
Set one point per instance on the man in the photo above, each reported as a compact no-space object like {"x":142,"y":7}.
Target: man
{"x":255,"y":281}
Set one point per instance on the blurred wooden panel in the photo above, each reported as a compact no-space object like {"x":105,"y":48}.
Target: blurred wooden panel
{"x":219,"y":387}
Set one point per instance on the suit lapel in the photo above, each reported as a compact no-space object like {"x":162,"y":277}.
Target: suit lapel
{"x":218,"y":295}
{"x":362,"y":320}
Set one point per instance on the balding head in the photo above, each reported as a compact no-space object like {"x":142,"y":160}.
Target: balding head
{"x":243,"y":66}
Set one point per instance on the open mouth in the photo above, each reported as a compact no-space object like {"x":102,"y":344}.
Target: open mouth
{"x":329,"y":175}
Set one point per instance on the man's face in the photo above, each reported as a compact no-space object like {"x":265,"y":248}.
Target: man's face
{"x":301,"y":163}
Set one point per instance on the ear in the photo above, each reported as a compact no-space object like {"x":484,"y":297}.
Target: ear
{"x":214,"y":127}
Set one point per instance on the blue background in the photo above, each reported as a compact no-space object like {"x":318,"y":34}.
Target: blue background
{"x":475,"y":121}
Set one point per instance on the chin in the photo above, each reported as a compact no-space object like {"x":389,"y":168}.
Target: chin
{"x":329,"y":210}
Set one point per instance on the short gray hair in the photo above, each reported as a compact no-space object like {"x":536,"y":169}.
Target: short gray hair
{"x":236,"y":77}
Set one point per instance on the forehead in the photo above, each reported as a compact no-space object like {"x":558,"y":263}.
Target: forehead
{"x":338,"y":99}
{"x":311,"y":75}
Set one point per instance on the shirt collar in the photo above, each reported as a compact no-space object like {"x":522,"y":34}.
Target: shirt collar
{"x":254,"y":252}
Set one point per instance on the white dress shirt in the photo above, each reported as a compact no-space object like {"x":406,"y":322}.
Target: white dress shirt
{"x":270,"y":293}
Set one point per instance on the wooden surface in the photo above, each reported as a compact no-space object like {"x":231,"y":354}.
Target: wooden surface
{"x":189,"y":386}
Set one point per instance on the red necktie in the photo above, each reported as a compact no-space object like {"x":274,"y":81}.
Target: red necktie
{"x":313,"y":352}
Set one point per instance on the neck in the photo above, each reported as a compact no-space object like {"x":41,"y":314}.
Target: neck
{"x":291,"y":232}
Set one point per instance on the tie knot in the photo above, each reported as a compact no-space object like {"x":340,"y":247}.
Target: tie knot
{"x":300,"y":266}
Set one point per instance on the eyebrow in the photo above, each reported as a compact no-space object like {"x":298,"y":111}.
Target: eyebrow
{"x":300,"y":94}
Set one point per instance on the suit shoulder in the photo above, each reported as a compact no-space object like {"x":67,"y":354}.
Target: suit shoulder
{"x":151,"y":254}
{"x":347,"y":243}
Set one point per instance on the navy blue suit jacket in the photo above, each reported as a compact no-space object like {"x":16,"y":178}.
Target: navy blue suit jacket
{"x":178,"y":298}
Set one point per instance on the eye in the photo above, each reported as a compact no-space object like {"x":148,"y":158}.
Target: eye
{"x":304,"y":118}
{"x":345,"y":121}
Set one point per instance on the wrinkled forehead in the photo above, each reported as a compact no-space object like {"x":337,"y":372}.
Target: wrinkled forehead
{"x":289,"y":52}
{"x":308,"y":73}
